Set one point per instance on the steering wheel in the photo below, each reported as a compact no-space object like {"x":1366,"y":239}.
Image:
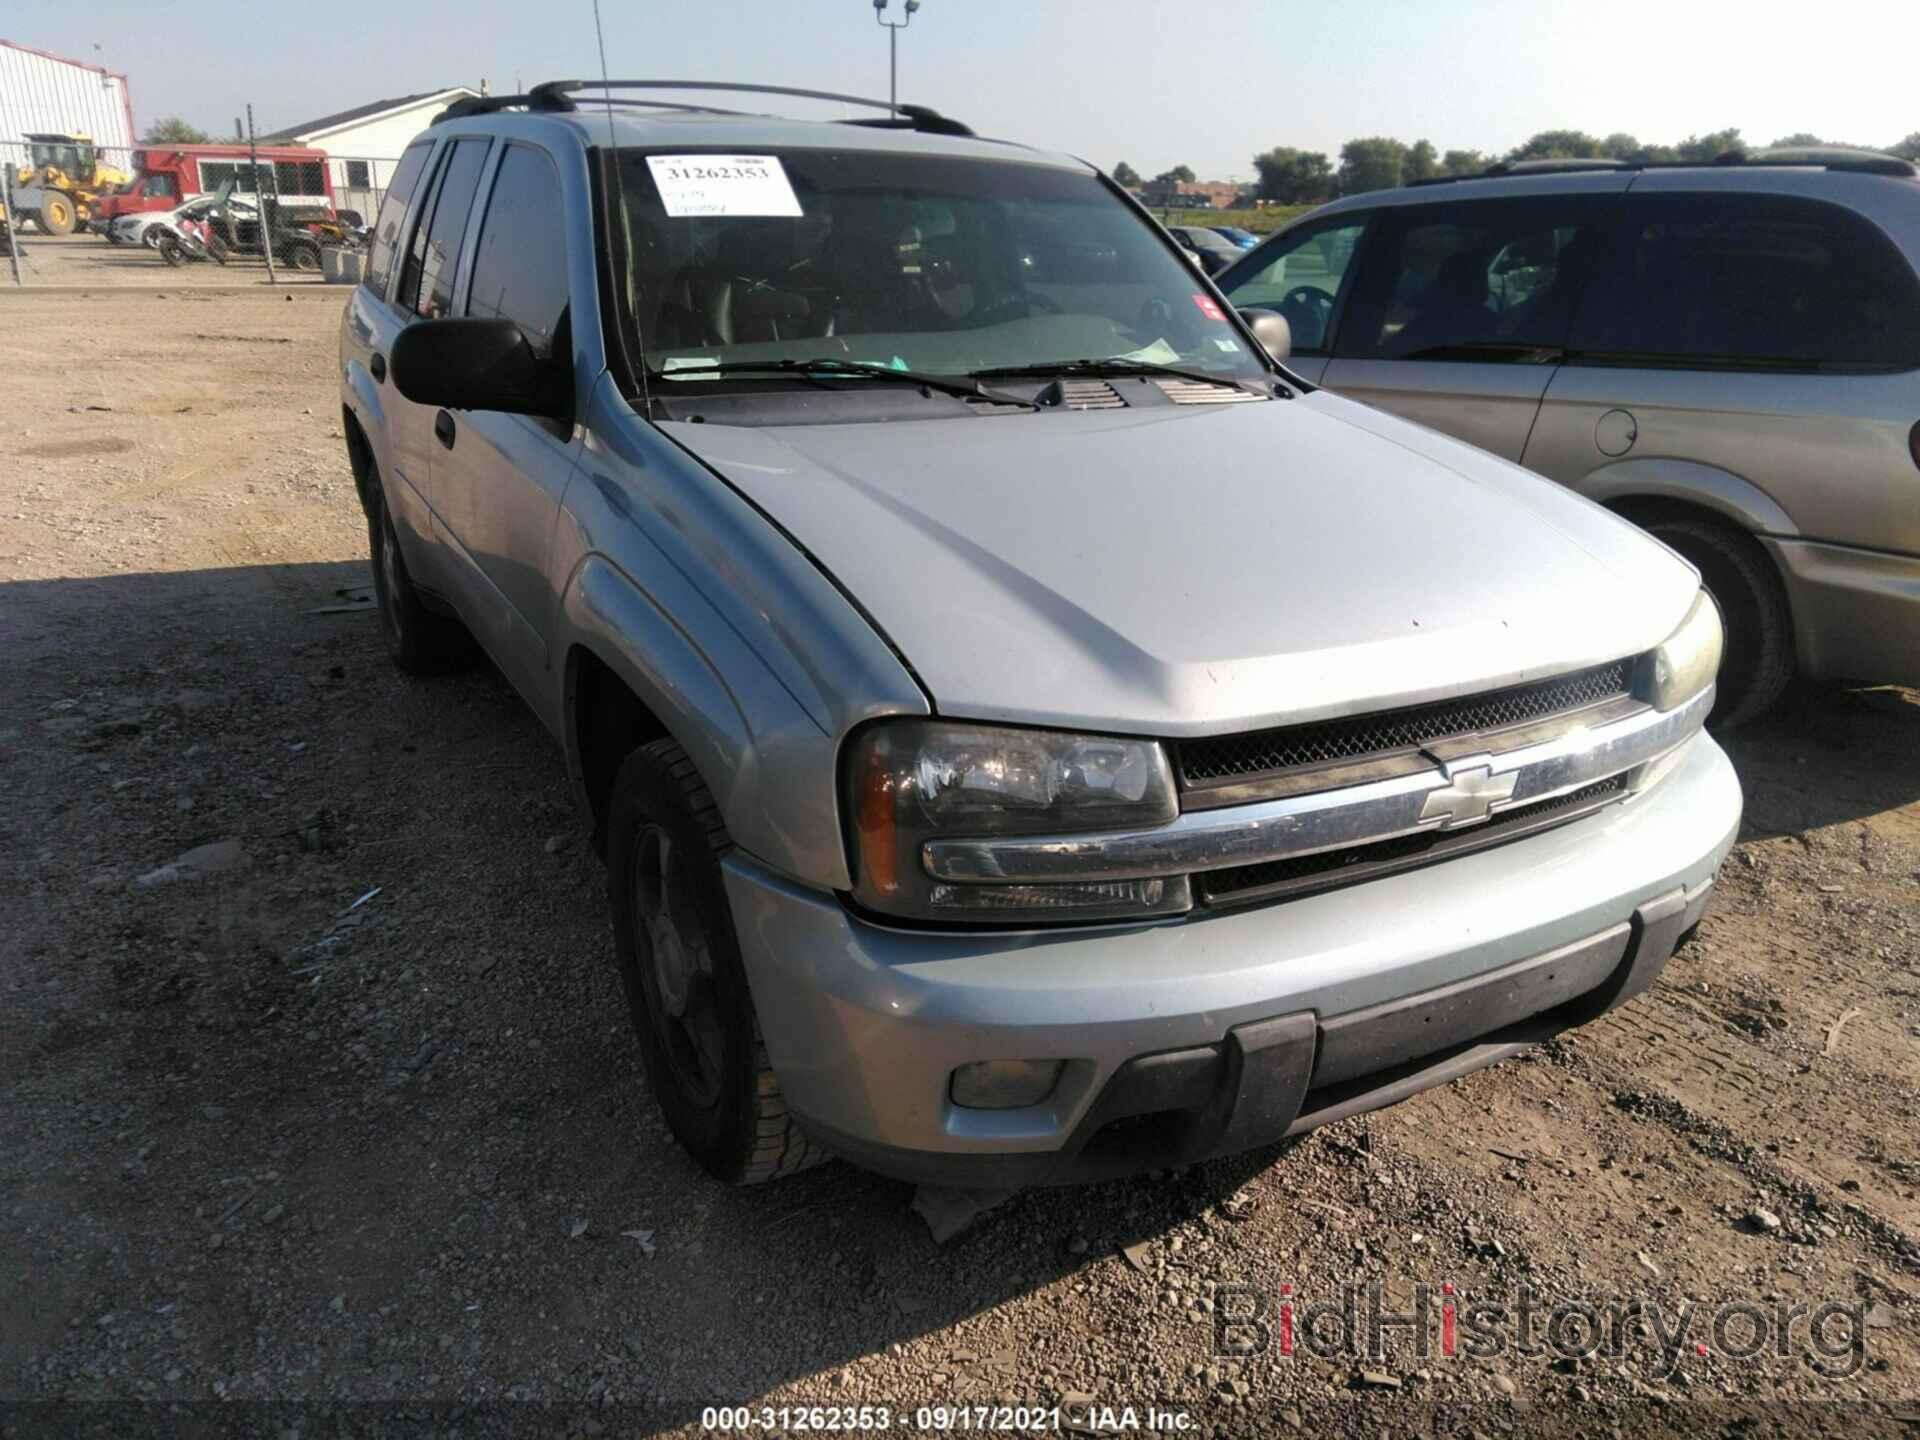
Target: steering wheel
{"x":1307,"y":308}
{"x":1026,"y":302}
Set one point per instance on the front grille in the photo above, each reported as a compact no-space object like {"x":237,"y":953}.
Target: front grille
{"x":1304,"y":874}
{"x":1221,"y":758}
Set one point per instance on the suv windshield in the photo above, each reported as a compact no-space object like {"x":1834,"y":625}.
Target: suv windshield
{"x":932,"y":264}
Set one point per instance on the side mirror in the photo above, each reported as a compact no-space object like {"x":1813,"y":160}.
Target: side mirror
{"x":1271,"y":329}
{"x":475,"y":364}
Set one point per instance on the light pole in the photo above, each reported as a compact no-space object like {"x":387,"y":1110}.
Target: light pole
{"x":894,"y":27}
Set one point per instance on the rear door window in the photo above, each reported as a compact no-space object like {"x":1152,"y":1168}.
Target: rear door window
{"x":520,"y":260}
{"x":1741,"y":281}
{"x":1482,"y":281}
{"x":426,"y":280}
{"x":393,"y":214}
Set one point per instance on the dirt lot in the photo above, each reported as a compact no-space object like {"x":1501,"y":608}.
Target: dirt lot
{"x":358,"y":1118}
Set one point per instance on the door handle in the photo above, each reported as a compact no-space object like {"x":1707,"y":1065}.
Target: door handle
{"x":378,"y":365}
{"x":443,"y":428}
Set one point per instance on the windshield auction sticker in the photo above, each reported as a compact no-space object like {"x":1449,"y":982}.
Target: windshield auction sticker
{"x":744,"y":185}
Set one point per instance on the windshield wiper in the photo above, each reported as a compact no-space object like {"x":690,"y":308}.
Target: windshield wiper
{"x":1103,"y":369}
{"x":828,"y":368}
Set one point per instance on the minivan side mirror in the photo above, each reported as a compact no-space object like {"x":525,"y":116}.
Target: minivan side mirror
{"x":1271,"y":329}
{"x":478,"y":364}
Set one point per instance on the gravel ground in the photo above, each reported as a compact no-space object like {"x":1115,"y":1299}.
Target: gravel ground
{"x":319,"y":1090}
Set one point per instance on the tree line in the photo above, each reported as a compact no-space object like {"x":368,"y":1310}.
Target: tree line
{"x":1292,"y":176}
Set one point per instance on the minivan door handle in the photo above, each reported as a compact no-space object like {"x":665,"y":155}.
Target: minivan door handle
{"x":443,"y":428}
{"x":378,"y":365}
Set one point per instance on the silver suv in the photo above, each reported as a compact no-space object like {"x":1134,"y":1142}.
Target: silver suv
{"x":990,"y":792}
{"x":1728,"y":354}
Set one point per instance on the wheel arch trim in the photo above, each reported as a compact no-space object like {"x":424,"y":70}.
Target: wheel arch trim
{"x":1704,"y":487}
{"x":712,"y":694}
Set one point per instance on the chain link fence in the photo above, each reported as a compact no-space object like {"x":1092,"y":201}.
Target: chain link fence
{"x":59,"y":201}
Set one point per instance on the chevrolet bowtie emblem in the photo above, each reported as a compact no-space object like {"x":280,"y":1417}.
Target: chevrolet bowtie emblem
{"x":1469,"y":796}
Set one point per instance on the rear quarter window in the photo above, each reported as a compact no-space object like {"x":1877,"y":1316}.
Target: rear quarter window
{"x":1752,"y":282}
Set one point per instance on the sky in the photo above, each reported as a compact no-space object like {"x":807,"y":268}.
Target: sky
{"x":1154,"y":84}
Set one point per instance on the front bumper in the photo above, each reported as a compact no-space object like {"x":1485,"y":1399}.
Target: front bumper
{"x":1856,"y":613}
{"x":1221,"y":1033}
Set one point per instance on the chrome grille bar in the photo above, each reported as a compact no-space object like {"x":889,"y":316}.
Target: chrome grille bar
{"x":1452,"y":793}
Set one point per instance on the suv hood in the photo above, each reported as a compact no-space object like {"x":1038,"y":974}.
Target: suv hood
{"x":1182,"y":571}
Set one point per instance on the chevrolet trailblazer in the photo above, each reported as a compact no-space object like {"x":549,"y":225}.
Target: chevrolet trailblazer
{"x":992,"y":794}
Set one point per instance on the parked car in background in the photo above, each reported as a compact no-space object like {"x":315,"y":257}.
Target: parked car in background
{"x":1245,"y":239}
{"x":1727,"y":354}
{"x":1214,"y":250}
{"x":991,"y":793}
{"x":145,"y":227}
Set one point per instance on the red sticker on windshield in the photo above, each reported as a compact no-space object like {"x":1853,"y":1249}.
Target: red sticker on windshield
{"x":1207,"y":307}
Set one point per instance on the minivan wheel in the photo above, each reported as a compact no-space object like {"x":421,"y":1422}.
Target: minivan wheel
{"x":1758,"y":661}
{"x":419,"y":642}
{"x":680,"y":965}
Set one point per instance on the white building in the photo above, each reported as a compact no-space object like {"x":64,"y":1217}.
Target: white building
{"x":44,"y":94}
{"x":364,"y":144}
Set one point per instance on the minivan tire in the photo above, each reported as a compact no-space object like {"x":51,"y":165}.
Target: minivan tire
{"x":418,"y":641}
{"x":686,"y":989}
{"x":1758,"y":660}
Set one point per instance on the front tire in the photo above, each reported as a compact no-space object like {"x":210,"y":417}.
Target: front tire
{"x":1758,"y":661}
{"x":680,"y":966}
{"x":418,"y":641}
{"x":57,"y":215}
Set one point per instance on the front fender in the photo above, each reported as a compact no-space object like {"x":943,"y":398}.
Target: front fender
{"x":1733,"y":497}
{"x":740,"y":646}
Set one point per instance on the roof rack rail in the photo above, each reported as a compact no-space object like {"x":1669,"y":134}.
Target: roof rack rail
{"x":482,"y":105}
{"x":1569,"y":165}
{"x":559,"y":96}
{"x":1823,"y":157}
{"x":1830,"y":157}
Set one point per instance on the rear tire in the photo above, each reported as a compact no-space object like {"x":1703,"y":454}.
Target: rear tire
{"x":170,"y":250}
{"x":679,"y":961}
{"x":418,"y":641}
{"x":1759,"y":660}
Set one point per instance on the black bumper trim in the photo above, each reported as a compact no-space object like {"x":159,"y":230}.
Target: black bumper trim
{"x":1272,"y":1078}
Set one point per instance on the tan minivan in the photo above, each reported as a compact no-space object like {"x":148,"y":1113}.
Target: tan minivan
{"x":1728,"y":354}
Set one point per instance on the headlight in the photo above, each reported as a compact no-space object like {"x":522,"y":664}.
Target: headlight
{"x":1688,"y":659}
{"x":910,"y":781}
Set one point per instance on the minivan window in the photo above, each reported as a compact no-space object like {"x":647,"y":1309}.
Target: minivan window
{"x":1489,"y":281}
{"x":426,"y":282}
{"x":393,"y":213}
{"x":520,"y":262}
{"x":1752,"y":281}
{"x":930,"y":263}
{"x":1301,"y":279}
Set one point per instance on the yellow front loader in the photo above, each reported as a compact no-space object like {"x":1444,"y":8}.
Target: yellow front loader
{"x":57,"y":186}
